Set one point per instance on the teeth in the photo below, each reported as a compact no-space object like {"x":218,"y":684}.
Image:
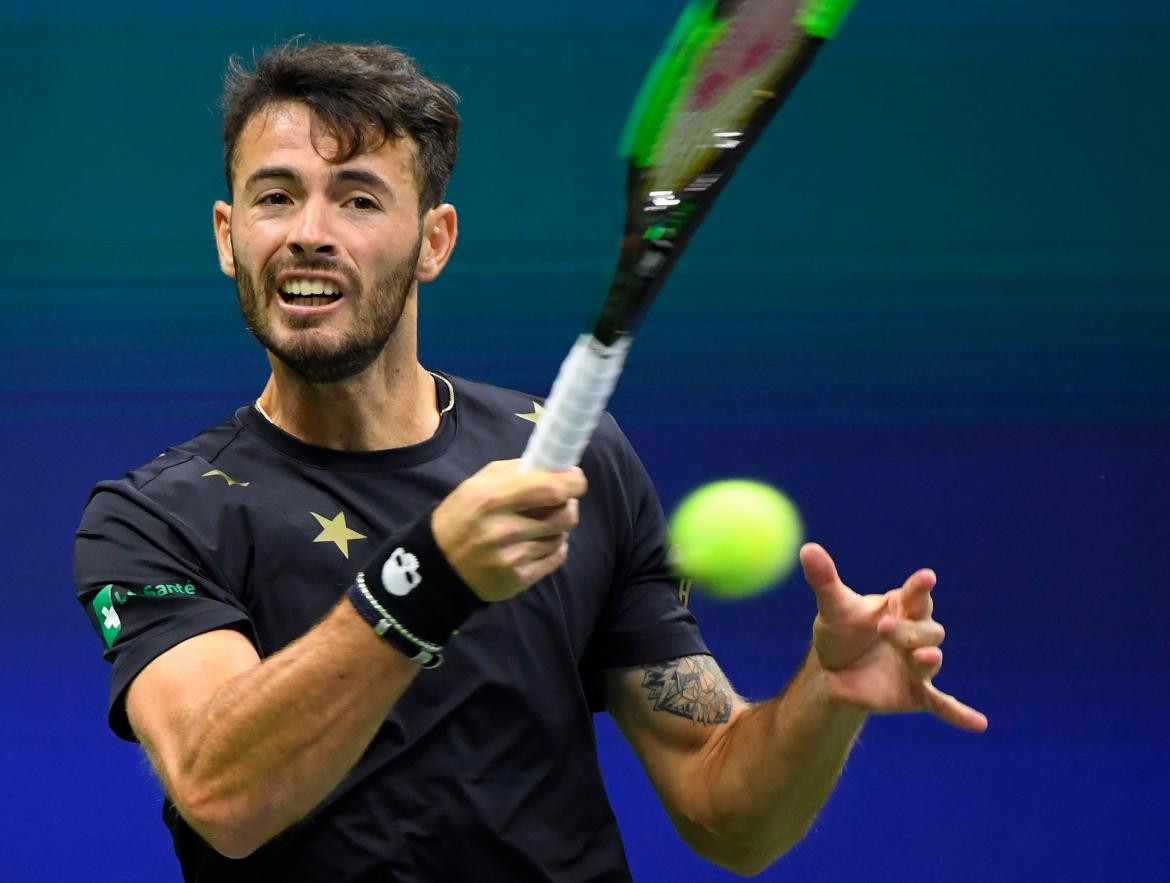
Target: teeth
{"x":306,"y":287}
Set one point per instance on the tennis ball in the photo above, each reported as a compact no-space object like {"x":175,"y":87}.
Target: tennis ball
{"x":736,"y":538}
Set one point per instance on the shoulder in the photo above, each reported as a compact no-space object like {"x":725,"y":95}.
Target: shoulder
{"x":498,"y":422}
{"x":169,"y":480}
{"x":479,"y":399}
{"x":181,"y":515}
{"x":486,"y":404}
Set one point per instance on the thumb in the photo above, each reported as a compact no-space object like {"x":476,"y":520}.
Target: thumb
{"x":821,"y":574}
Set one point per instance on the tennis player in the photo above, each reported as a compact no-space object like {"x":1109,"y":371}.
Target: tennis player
{"x":354,"y":640}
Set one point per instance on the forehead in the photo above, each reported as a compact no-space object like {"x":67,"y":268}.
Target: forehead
{"x":287,"y":134}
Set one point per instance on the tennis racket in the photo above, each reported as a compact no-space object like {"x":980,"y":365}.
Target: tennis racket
{"x":726,"y":68}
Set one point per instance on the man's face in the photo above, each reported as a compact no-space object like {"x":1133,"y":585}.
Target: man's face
{"x":325,"y":256}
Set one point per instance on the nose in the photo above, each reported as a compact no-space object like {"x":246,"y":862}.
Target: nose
{"x":309,"y":237}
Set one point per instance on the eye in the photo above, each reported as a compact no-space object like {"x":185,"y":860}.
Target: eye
{"x":274,"y":199}
{"x":364,"y":203}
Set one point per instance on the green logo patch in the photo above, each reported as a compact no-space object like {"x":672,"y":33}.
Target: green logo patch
{"x":106,"y":602}
{"x":107,"y":616}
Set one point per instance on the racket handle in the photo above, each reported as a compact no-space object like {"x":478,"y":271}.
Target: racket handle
{"x":578,"y":398}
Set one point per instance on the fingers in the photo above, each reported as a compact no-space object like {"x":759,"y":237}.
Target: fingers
{"x":926,"y":662}
{"x":821,"y":574}
{"x":509,"y":489}
{"x":913,"y":600}
{"x":918,"y":641}
{"x":899,"y":677}
{"x":502,"y":530}
{"x":533,"y":571}
{"x":555,"y":519}
{"x":535,"y":550}
{"x":946,"y":707}
{"x":910,"y":634}
{"x":534,"y":524}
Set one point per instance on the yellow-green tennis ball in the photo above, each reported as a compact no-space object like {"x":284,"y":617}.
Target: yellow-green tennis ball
{"x":736,"y":538}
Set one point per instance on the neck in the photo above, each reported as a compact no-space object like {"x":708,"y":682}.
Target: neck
{"x":391,"y":404}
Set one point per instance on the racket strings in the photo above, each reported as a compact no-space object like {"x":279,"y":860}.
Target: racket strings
{"x":727,"y":84}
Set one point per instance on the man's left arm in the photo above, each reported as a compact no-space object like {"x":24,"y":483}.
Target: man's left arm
{"x":743,"y":782}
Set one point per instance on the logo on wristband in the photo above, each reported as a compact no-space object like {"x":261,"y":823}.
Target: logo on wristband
{"x":400,"y":573}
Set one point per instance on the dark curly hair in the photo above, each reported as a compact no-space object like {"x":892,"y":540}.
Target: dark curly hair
{"x":361,"y":96}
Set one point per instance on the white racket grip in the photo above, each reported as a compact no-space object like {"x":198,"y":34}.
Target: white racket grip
{"x":578,"y":398}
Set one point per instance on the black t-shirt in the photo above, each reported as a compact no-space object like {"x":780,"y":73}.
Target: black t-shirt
{"x":486,"y":768}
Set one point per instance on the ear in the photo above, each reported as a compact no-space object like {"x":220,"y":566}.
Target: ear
{"x":440,"y":229}
{"x":221,"y":218}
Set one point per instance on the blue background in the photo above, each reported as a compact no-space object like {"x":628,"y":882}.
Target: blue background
{"x":934,"y":307}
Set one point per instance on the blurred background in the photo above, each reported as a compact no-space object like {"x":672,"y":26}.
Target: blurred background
{"x":934,"y":307}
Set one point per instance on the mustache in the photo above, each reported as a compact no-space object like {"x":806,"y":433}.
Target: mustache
{"x":328,"y":265}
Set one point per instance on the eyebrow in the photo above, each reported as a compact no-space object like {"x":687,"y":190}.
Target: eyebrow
{"x":355,"y":176}
{"x":364,"y":177}
{"x":271,"y":172}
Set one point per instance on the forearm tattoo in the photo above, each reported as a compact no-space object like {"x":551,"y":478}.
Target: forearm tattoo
{"x":690,"y":686}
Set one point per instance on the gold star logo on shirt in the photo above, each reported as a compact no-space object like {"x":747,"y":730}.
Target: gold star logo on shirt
{"x":335,"y":530}
{"x":537,"y":410}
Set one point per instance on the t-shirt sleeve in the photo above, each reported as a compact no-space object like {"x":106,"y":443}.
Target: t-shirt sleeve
{"x":645,"y":617}
{"x":146,"y":585}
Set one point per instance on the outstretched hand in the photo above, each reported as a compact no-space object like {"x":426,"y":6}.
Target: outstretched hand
{"x":880,"y":652}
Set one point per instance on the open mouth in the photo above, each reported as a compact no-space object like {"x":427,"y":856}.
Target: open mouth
{"x":309,"y":292}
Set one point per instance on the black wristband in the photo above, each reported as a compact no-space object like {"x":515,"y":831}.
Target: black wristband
{"x":427,"y":655}
{"x":414,"y":592}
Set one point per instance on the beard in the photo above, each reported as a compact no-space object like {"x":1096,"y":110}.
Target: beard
{"x":376,"y":314}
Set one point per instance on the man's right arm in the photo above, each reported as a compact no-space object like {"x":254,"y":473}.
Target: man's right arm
{"x":247,"y":747}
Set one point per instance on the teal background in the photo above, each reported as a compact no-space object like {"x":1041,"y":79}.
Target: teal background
{"x":934,"y":306}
